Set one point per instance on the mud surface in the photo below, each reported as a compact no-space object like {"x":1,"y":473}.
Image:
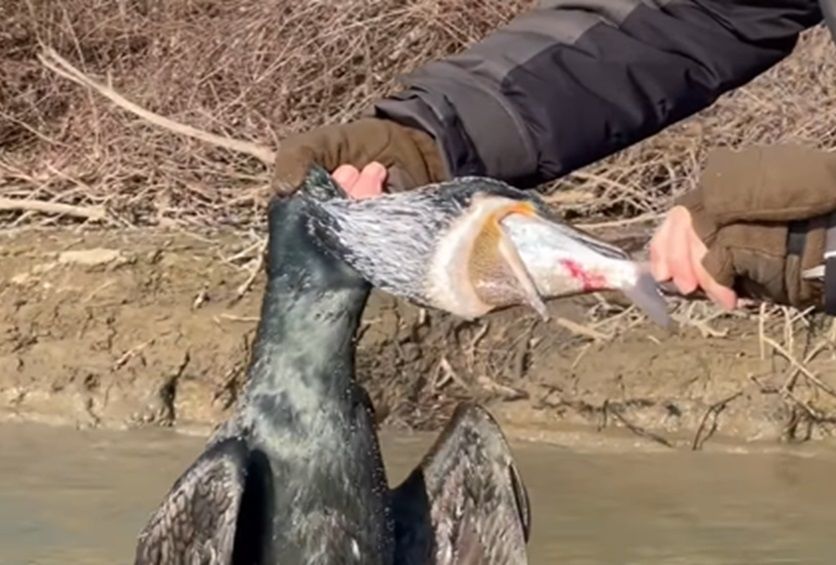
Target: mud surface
{"x":146,"y":328}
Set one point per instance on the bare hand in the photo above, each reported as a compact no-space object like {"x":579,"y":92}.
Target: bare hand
{"x":676,"y":253}
{"x":367,"y":183}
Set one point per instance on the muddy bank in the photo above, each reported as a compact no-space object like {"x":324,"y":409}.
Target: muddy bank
{"x":147,"y":328}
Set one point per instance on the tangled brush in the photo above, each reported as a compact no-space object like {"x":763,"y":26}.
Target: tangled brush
{"x":262,"y":70}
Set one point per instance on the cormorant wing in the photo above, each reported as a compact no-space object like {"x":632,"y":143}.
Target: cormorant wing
{"x":196,"y":521}
{"x":466,"y":502}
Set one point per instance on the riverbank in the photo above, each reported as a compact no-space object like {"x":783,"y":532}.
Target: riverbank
{"x":122,"y":329}
{"x":118,"y":311}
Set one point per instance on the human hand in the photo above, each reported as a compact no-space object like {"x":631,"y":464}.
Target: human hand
{"x":733,"y":229}
{"x":410,"y":156}
{"x":367,"y":183}
{"x":677,"y":252}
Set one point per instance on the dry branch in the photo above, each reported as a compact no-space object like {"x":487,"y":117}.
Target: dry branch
{"x":609,"y":408}
{"x":800,"y":367}
{"x":95,"y":213}
{"x":712,"y":412}
{"x":53,"y":61}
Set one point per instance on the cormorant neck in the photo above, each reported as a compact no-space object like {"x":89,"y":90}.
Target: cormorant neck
{"x":309,"y":314}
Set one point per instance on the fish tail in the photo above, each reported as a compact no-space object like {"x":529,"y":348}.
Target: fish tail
{"x":645,"y":294}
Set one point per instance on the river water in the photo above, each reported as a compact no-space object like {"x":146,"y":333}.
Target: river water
{"x":80,"y":497}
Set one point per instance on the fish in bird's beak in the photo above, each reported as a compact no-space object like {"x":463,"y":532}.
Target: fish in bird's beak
{"x":473,"y":245}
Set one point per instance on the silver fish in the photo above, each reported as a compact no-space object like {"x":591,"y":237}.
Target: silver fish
{"x":473,"y":245}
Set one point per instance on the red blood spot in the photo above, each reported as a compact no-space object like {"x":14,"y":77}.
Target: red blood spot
{"x":589,"y":281}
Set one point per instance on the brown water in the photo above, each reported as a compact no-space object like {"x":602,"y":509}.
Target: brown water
{"x":68,"y":496}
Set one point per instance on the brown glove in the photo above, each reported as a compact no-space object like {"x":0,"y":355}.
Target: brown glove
{"x":746,"y":205}
{"x":412,"y":157}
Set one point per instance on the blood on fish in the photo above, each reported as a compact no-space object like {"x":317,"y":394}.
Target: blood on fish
{"x":588,"y":280}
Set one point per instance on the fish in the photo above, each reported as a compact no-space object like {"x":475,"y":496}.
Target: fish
{"x":472,"y":245}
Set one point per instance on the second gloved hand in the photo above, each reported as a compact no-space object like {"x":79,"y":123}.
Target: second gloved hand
{"x":732,"y":233}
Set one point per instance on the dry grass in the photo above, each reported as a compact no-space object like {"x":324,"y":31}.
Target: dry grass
{"x":257,"y":70}
{"x":261,"y":70}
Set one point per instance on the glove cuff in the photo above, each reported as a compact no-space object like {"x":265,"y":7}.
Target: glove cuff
{"x":774,"y":183}
{"x":705,"y":228}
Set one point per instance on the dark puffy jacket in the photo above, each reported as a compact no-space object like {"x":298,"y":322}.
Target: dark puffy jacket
{"x":571,"y":82}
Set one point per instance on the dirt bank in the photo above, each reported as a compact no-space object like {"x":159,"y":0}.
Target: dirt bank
{"x":145,"y":327}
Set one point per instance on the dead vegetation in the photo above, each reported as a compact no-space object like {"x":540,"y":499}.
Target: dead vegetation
{"x":262,"y":70}
{"x":253,"y":70}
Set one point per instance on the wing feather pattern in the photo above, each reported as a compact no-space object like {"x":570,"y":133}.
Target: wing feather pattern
{"x":465,"y":504}
{"x":195,"y":523}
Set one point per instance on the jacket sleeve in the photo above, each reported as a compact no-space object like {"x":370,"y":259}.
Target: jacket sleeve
{"x":571,"y":82}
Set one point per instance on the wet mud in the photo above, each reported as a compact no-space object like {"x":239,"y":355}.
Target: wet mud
{"x":139,"y":328}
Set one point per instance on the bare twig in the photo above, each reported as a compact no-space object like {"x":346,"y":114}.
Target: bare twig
{"x":256,"y":269}
{"x":53,"y":61}
{"x":800,"y":366}
{"x":95,"y":213}
{"x":713,"y":411}
{"x":582,"y":330}
{"x":234,"y":318}
{"x":639,"y":431}
{"x":619,"y":223}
